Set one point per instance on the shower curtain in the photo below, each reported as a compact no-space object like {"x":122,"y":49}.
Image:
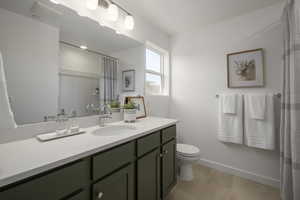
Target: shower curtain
{"x":290,"y":109}
{"x":109,"y":80}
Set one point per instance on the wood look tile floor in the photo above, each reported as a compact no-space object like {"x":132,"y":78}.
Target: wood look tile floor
{"x":210,"y":184}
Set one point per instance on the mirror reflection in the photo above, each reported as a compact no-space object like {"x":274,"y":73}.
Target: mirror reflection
{"x":86,"y":78}
{"x":57,"y":62}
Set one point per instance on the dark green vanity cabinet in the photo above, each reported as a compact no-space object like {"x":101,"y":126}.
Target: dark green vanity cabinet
{"x":143,"y":169}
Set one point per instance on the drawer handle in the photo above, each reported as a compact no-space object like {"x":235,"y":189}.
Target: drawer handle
{"x":100,"y":195}
{"x":166,"y":152}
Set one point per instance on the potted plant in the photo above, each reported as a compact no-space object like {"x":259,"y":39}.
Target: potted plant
{"x":129,"y":112}
{"x":115,"y":106}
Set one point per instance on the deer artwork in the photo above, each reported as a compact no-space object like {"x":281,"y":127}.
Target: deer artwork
{"x":246,"y":70}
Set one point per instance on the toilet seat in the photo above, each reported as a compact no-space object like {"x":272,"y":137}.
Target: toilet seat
{"x":186,"y":150}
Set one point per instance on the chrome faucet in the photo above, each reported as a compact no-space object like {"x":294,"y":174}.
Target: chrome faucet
{"x":105,"y":113}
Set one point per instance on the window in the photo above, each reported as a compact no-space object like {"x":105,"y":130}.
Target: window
{"x":155,"y":77}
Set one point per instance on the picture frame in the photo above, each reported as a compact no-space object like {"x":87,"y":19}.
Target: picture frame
{"x":140,"y":104}
{"x":245,"y":69}
{"x":128,"y":80}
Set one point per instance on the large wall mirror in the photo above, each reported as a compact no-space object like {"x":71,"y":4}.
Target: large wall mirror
{"x":56,"y":61}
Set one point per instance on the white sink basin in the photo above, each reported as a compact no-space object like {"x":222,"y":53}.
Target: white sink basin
{"x":113,"y":130}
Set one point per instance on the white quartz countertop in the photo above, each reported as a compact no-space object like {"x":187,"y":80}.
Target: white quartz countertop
{"x":25,"y":158}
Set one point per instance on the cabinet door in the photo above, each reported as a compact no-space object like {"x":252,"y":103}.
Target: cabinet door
{"x":118,"y":186}
{"x":169,"y":177}
{"x":148,"y":176}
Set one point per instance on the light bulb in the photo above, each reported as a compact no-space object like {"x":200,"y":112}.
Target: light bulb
{"x":91,"y":4}
{"x":112,"y":12}
{"x":129,"y":22}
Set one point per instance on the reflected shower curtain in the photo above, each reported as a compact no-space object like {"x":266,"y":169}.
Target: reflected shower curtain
{"x":290,"y":109}
{"x":109,"y":80}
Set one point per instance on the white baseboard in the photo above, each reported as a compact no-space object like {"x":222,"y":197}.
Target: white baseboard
{"x":242,"y":173}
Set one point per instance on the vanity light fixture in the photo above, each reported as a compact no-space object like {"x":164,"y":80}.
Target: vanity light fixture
{"x":129,"y":22}
{"x":83,"y":47}
{"x":91,"y":4}
{"x":112,"y":12}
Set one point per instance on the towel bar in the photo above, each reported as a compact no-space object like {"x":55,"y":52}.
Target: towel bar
{"x":277,"y":95}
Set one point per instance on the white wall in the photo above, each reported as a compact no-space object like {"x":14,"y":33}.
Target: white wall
{"x":199,"y":73}
{"x":30,"y":48}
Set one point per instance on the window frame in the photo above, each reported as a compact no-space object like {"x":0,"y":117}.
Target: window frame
{"x":161,"y":73}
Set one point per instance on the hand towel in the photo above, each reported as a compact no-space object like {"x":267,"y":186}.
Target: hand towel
{"x":229,"y":103}
{"x":260,"y":133}
{"x":257,"y":105}
{"x":6,"y":115}
{"x":230,"y":127}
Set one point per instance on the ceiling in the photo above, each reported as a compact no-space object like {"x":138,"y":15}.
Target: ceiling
{"x":176,"y":16}
{"x":73,"y":28}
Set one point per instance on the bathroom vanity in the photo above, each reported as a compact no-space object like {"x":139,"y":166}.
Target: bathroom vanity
{"x":107,"y":164}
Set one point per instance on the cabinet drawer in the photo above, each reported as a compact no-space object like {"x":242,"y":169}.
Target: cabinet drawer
{"x":148,"y":143}
{"x":106,"y":162}
{"x":52,"y":186}
{"x":168,"y":134}
{"x":118,"y":186}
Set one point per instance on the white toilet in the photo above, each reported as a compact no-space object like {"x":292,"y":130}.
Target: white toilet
{"x":187,"y":155}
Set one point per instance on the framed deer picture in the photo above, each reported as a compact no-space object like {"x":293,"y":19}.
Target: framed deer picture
{"x":245,"y":69}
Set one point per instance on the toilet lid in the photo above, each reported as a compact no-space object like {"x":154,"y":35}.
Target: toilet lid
{"x":188,"y":150}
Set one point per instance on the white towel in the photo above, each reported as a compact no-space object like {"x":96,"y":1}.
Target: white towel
{"x":231,"y":125}
{"x":260,"y":133}
{"x":229,"y":103}
{"x":6,"y":116}
{"x":257,"y":105}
